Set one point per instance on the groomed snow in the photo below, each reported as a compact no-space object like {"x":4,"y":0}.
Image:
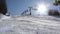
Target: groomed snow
{"x":30,"y":25}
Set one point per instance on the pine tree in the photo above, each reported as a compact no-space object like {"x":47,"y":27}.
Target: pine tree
{"x":57,"y":2}
{"x":3,"y":8}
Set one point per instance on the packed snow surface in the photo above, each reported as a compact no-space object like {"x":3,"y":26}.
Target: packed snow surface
{"x":30,"y":25}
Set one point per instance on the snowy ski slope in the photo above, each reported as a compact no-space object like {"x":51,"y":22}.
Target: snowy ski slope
{"x":30,"y":25}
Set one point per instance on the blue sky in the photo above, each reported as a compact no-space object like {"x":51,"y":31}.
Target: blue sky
{"x":18,"y":6}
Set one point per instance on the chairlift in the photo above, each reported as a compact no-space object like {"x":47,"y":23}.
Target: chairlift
{"x":29,"y":10}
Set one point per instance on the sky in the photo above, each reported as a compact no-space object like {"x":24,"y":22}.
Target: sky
{"x":18,"y":6}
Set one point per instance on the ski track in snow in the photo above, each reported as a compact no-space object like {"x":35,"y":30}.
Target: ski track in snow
{"x":30,"y":25}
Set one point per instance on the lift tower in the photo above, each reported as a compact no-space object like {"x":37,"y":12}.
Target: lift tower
{"x":29,"y":10}
{"x":3,"y":8}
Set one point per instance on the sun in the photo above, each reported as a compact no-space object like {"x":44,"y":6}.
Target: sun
{"x":42,"y":8}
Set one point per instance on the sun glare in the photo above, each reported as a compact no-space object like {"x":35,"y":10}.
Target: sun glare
{"x":42,"y":9}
